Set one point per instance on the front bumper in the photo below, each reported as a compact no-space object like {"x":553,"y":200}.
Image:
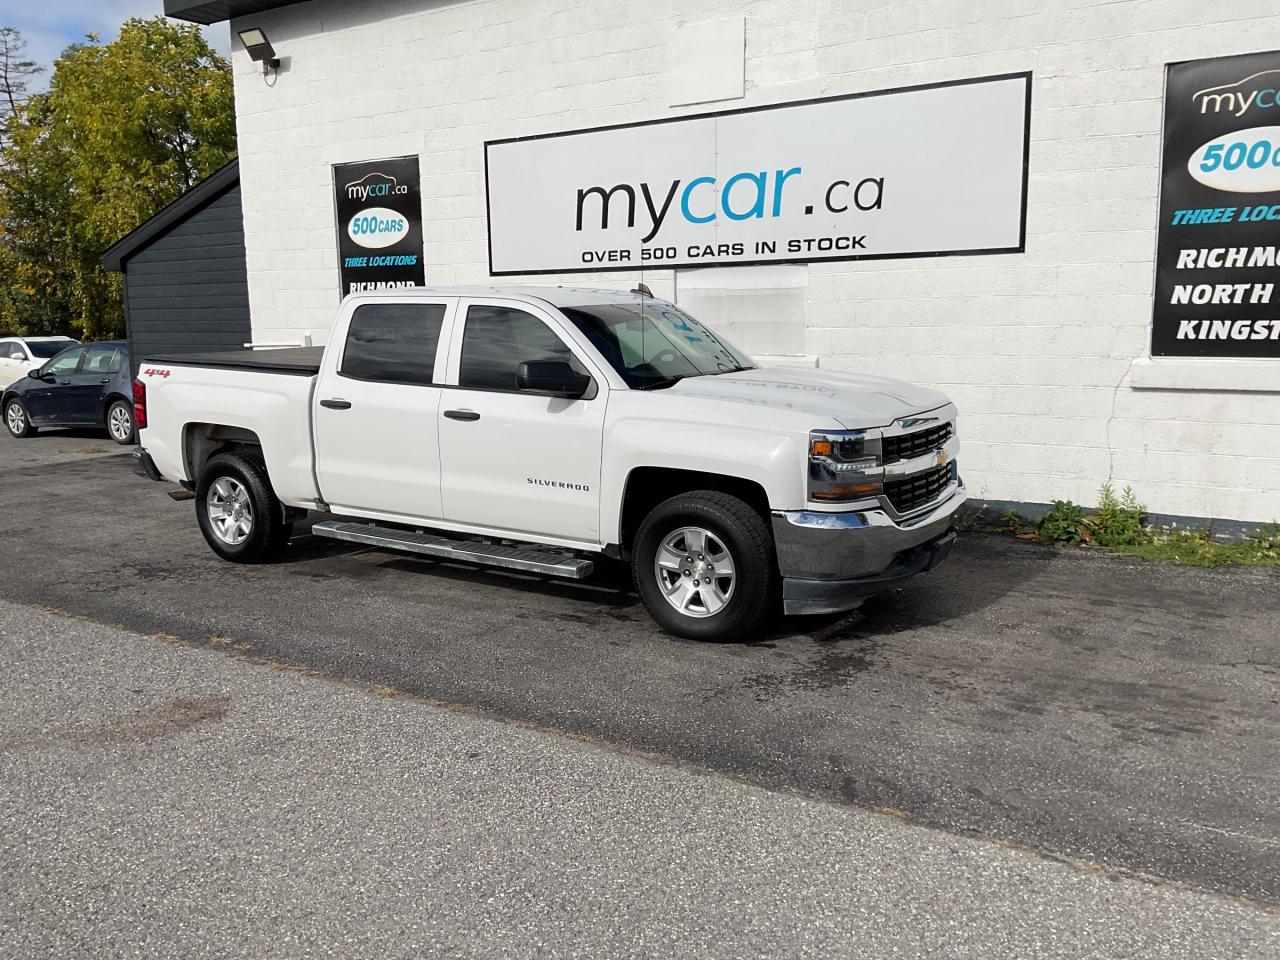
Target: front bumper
{"x":830,"y":561}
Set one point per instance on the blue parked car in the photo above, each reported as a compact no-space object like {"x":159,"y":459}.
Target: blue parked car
{"x":86,"y":385}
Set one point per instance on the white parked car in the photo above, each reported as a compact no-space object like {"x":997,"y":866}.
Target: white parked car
{"x":538,"y":428}
{"x":18,"y":355}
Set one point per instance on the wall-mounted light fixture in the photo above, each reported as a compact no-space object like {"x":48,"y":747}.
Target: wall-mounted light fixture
{"x":259,"y":49}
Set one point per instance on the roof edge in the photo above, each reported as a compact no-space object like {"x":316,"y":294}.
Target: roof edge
{"x":195,"y":199}
{"x":216,"y":11}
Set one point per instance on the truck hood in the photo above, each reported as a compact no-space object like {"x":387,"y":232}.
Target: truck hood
{"x":854,"y":400}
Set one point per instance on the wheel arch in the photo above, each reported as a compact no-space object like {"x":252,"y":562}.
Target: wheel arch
{"x":269,"y":520}
{"x":202,"y":441}
{"x":648,"y":486}
{"x":111,"y":398}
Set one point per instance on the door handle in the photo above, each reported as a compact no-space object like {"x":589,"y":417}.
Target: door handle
{"x":105,"y":380}
{"x":336,"y":404}
{"x":64,"y":382}
{"x":462,"y":415}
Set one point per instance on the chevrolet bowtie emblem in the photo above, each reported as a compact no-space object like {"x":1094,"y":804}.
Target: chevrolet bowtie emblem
{"x":943,"y":458}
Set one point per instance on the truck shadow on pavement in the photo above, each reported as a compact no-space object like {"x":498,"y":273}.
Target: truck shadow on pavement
{"x":608,"y":595}
{"x":984,"y":576}
{"x":608,"y":587}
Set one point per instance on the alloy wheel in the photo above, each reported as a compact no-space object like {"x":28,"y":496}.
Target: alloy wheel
{"x":695,"y":571}
{"x":230,"y":513}
{"x":16,"y":418}
{"x":120,"y":423}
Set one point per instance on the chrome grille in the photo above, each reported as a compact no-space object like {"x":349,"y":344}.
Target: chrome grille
{"x":908,"y":446}
{"x":919,"y":488}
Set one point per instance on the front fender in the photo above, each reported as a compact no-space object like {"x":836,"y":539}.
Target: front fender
{"x":773,"y":460}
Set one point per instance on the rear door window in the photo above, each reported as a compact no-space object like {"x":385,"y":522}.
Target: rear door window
{"x":496,"y":340}
{"x":103,"y":360}
{"x":393,"y":343}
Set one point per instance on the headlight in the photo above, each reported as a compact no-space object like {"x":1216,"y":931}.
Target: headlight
{"x":844,"y":465}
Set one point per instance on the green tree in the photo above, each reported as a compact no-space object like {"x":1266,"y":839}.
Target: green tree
{"x":124,"y":129}
{"x":35,"y":222}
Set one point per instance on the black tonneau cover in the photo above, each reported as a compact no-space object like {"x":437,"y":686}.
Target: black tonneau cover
{"x":298,"y":361}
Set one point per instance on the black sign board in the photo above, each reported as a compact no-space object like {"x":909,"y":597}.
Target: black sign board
{"x":379,"y":205}
{"x":1218,"y":252}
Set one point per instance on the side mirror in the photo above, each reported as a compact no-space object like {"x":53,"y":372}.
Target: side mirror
{"x":34,"y":374}
{"x":554,"y":378}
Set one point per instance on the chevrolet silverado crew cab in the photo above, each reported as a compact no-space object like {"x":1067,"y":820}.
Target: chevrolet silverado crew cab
{"x":539,"y":428}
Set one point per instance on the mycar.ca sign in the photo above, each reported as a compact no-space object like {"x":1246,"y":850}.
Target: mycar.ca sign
{"x":920,"y":171}
{"x":379,"y":204}
{"x":1217,"y":256}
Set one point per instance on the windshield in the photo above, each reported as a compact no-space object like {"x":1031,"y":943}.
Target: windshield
{"x":653,"y":344}
{"x":44,"y":349}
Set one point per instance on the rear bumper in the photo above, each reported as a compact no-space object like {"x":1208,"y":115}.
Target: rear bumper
{"x":830,"y":561}
{"x":144,"y":466}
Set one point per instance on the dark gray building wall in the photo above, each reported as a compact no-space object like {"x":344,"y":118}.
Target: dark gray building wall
{"x":187,"y":290}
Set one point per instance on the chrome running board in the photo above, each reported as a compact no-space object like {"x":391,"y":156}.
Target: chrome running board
{"x":531,"y":559}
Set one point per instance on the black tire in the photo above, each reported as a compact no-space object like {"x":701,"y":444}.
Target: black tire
{"x":749,"y":597}
{"x":267,"y":531}
{"x":119,"y":421}
{"x":26,"y":429}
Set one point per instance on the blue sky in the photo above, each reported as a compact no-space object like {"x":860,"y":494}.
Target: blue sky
{"x":49,"y":25}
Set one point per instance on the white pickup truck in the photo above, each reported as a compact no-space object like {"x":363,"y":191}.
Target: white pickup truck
{"x":537,"y":428}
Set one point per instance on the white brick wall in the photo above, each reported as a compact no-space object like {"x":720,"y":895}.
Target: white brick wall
{"x":1037,"y":348}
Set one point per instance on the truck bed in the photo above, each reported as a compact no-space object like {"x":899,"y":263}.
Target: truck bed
{"x":298,"y":361}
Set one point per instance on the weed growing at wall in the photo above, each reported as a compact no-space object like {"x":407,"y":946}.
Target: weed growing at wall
{"x":1118,"y":521}
{"x":1064,"y":524}
{"x":1119,"y":525}
{"x":1195,"y":547}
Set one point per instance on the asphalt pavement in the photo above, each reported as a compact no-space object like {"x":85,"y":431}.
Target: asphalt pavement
{"x":1111,"y":721}
{"x":168,"y":802}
